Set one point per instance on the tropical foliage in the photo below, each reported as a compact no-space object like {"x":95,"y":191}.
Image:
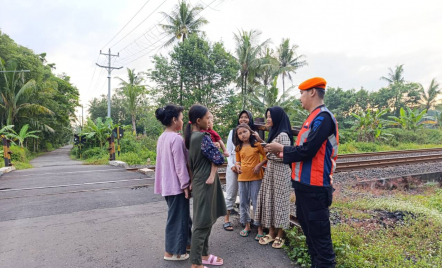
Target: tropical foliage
{"x":32,"y":95}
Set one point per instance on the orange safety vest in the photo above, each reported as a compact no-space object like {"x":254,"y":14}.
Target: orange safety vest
{"x":317,"y":171}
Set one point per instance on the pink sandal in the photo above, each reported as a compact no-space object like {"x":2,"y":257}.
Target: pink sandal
{"x":213,"y":260}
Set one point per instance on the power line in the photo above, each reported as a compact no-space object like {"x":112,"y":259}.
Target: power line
{"x":207,"y":5}
{"x":90,"y":83}
{"x":139,"y":24}
{"x":126,"y":24}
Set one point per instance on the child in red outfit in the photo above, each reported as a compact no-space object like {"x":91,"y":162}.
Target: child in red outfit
{"x":216,"y":138}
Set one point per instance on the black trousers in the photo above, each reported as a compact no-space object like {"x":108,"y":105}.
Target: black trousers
{"x":179,"y":224}
{"x":312,"y":211}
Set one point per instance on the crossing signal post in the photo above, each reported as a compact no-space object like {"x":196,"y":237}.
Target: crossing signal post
{"x":79,"y":140}
{"x":111,"y":148}
{"x":7,"y":151}
{"x":118,"y":133}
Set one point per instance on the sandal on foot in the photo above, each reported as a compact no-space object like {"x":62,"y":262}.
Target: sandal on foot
{"x":176,"y":258}
{"x":258,"y":236}
{"x":279,"y":242}
{"x":213,"y":260}
{"x":244,"y":233}
{"x":266,"y":239}
{"x":227,"y":225}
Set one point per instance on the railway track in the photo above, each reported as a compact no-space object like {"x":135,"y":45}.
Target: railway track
{"x":380,"y":163}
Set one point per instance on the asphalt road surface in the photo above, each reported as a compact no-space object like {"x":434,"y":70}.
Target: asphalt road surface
{"x":65,"y":214}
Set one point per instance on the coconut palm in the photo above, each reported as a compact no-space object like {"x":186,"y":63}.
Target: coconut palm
{"x":429,"y":96}
{"x":23,"y":134}
{"x":183,"y":21}
{"x":15,"y":94}
{"x":395,"y":76}
{"x":288,"y":60}
{"x":133,"y":93}
{"x":247,"y":55}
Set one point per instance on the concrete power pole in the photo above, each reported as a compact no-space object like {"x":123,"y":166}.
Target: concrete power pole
{"x":109,"y":69}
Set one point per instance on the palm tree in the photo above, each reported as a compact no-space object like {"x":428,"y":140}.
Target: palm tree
{"x":430,"y":95}
{"x":23,"y":134}
{"x":247,"y":55}
{"x":182,"y":22}
{"x":395,"y":76}
{"x":289,"y":61}
{"x":396,"y":81}
{"x":15,"y":93}
{"x":265,"y":97}
{"x":133,"y":93}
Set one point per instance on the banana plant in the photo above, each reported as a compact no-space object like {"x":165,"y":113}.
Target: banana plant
{"x":409,"y":120}
{"x":370,"y":125}
{"x":23,"y":134}
{"x":99,"y":130}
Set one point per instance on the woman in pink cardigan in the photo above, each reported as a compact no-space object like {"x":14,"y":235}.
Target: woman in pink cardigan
{"x":172,"y":181}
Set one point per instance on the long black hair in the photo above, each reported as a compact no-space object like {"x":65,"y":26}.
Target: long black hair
{"x":281,"y":123}
{"x":167,"y":113}
{"x":195,"y":112}
{"x":238,"y":142}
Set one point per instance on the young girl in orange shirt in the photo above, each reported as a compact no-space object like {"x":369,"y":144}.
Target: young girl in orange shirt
{"x":250,"y":157}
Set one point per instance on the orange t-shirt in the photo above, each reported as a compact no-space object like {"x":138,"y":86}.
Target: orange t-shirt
{"x":250,"y":157}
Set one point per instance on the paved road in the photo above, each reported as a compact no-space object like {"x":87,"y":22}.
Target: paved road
{"x":65,"y":214}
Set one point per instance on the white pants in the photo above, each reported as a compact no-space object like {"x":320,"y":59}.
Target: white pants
{"x":231,"y":188}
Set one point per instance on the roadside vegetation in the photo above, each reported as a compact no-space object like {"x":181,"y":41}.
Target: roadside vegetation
{"x":382,"y":228}
{"x":36,"y":106}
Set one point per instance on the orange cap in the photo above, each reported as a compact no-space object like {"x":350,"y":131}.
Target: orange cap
{"x":315,"y":82}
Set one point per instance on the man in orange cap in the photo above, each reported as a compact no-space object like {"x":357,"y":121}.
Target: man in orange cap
{"x":313,"y":162}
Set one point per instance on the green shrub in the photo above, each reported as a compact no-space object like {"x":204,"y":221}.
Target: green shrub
{"x":19,"y":154}
{"x":96,"y":152}
{"x":132,"y":158}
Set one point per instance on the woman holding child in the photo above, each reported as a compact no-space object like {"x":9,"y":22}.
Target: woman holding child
{"x":208,"y":198}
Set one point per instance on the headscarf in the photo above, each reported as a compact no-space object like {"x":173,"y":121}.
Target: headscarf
{"x":251,"y":123}
{"x":281,"y":123}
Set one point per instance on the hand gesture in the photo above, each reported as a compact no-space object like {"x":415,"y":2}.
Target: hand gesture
{"x":257,"y":169}
{"x":210,"y":180}
{"x":238,"y":169}
{"x":226,"y":154}
{"x":258,"y":138}
{"x":187,"y":193}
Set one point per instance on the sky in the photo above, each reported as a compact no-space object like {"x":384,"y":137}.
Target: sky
{"x":349,"y":43}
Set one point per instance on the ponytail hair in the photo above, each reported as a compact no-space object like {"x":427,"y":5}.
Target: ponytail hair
{"x":195,"y":112}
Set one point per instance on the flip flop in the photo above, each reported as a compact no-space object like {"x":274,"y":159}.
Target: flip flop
{"x":244,"y":233}
{"x":227,"y":225}
{"x":175,"y":257}
{"x":213,"y":260}
{"x":258,"y":236}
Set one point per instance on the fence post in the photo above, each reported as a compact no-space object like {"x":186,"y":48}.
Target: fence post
{"x":6,"y":151}
{"x":111,"y":148}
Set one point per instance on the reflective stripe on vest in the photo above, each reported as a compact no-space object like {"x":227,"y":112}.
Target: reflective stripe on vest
{"x":319,"y":170}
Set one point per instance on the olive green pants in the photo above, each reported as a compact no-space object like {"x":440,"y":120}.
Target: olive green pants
{"x":199,"y":245}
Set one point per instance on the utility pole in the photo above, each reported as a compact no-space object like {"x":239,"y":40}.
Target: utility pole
{"x":82,"y":118}
{"x":109,"y":69}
